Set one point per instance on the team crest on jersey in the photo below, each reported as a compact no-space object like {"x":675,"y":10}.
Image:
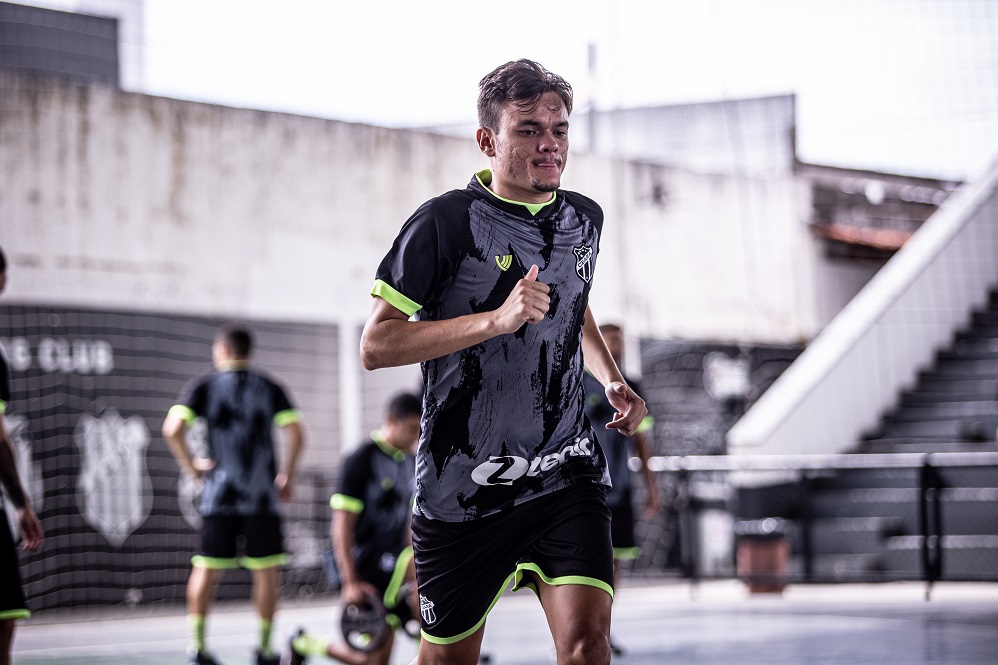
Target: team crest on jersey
{"x":584,"y":261}
{"x":114,"y":492}
{"x":504,"y":261}
{"x":426,"y":609}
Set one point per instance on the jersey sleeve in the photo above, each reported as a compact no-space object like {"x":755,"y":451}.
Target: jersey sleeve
{"x":191,"y":401}
{"x":354,"y":476}
{"x":412,"y":273}
{"x":285,"y":412}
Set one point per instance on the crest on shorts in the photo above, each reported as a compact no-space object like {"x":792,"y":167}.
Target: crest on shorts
{"x":584,"y":262}
{"x":426,"y":609}
{"x":114,"y":492}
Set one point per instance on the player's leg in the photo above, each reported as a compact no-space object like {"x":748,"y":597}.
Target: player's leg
{"x":570,"y":567}
{"x":624,"y":546}
{"x":13,"y":604}
{"x":6,"y":640}
{"x":217,"y":554}
{"x":264,"y":554}
{"x":463,"y":652}
{"x":579,"y":618}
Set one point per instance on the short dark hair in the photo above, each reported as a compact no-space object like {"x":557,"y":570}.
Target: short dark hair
{"x":404,"y":405}
{"x":520,"y":82}
{"x":3,"y":262}
{"x":237,"y":338}
{"x":610,"y":327}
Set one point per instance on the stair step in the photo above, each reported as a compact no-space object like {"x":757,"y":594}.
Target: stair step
{"x":948,"y":411}
{"x":915,"y":445}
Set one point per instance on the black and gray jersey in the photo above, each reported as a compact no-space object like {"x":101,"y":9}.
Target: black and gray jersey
{"x":503,"y":420}
{"x":377,"y":484}
{"x":240,"y":408}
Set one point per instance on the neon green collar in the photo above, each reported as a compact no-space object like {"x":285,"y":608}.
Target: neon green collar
{"x":386,"y":447}
{"x":485,"y":179}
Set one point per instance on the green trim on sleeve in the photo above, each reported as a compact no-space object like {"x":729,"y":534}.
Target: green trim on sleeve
{"x":14,"y":615}
{"x":185,"y":413}
{"x":287,"y":417}
{"x":383,"y":290}
{"x":626,"y":553}
{"x":522,"y":583}
{"x":458,"y":638}
{"x":347,"y":503}
{"x":646,"y":424}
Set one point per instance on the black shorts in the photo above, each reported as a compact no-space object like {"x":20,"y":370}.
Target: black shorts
{"x":258,"y":537}
{"x":13,"y":605}
{"x":386,"y":573}
{"x":463,"y":567}
{"x":622,"y":531}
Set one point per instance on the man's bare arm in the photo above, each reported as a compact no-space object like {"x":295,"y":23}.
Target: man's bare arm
{"x":631,"y":409}
{"x":390,"y":339}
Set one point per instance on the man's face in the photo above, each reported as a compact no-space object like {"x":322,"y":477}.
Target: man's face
{"x":403,"y":433}
{"x":529,"y":151}
{"x":615,"y":344}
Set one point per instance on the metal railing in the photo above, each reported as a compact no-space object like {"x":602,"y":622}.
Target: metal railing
{"x":935,"y":482}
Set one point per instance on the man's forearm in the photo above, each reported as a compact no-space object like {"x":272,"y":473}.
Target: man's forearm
{"x":8,"y":473}
{"x":395,"y":342}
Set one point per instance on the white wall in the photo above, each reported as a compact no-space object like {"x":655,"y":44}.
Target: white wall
{"x":111,"y":199}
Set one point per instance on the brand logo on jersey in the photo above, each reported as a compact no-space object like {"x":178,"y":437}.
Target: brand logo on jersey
{"x":504,"y":262}
{"x":426,"y":609}
{"x":503,"y":470}
{"x":114,"y":490}
{"x":584,"y":261}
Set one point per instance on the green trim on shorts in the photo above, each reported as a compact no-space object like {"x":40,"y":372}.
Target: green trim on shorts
{"x":391,"y":597}
{"x":628,"y":553}
{"x":347,"y":503}
{"x":213,"y":562}
{"x":14,"y":615}
{"x":287,"y":417}
{"x":457,"y":638}
{"x":383,"y":290}
{"x":519,"y":582}
{"x":185,"y":413}
{"x":264,"y":562}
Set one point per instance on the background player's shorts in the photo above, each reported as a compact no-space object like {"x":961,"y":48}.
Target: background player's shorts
{"x":386,"y":573}
{"x":463,"y":567}
{"x":13,"y":605}
{"x":259,"y":537}
{"x":622,"y":530}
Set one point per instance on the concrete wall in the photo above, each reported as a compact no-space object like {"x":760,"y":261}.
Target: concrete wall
{"x":119,"y":200}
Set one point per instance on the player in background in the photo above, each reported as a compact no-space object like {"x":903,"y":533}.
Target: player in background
{"x":370,"y":532}
{"x":242,"y":485}
{"x":619,"y":449}
{"x":13,"y":604}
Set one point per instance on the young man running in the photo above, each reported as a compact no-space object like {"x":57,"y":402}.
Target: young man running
{"x":510,"y":478}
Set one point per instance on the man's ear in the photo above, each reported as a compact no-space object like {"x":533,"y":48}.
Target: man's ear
{"x":486,"y":141}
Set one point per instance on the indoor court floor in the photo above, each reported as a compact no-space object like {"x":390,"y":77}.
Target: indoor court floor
{"x":658,"y":623}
